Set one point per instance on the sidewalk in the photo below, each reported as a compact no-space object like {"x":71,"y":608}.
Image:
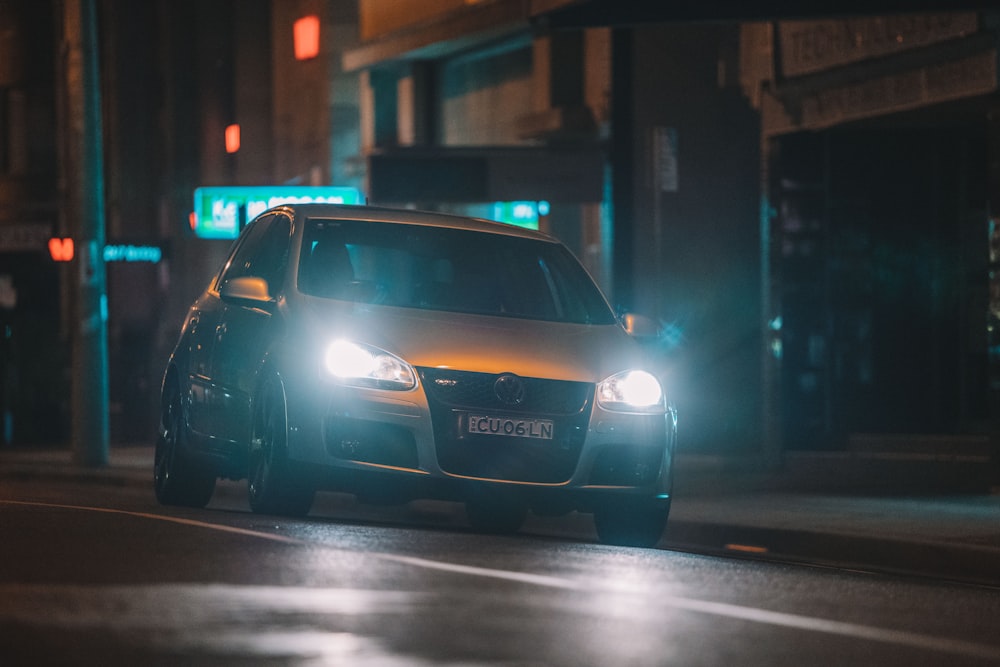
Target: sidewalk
{"x":899,"y":517}
{"x":924,"y":514}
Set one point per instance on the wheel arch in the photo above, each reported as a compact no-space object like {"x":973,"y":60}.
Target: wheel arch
{"x":170,"y":382}
{"x":266,"y":376}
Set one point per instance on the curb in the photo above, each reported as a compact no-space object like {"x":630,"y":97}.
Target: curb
{"x":943,"y":561}
{"x":106,"y":476}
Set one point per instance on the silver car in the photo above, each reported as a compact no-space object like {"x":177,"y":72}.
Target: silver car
{"x":396,"y":355}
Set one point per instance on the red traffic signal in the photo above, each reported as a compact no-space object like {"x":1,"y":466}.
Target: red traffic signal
{"x":61,"y":250}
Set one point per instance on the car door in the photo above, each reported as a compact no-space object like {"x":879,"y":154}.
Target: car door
{"x":200,"y":338}
{"x":246,"y":329}
{"x":200,"y":332}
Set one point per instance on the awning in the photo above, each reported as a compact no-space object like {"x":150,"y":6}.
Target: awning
{"x":620,"y":13}
{"x":450,"y":33}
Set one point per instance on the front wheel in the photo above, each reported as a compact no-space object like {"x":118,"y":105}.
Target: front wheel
{"x":272,"y":488}
{"x":177,"y":479}
{"x":631,"y":522}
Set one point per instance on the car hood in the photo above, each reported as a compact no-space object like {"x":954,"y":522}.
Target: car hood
{"x":485,"y":344}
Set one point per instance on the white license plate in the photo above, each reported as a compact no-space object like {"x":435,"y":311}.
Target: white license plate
{"x":513,"y":427}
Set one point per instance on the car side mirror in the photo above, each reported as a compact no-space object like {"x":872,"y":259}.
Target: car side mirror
{"x":247,"y":290}
{"x":640,"y":326}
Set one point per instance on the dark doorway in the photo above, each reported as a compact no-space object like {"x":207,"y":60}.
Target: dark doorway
{"x":34,"y":357}
{"x":881,"y":274}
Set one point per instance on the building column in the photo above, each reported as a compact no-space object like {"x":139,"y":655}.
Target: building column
{"x":414,"y":101}
{"x":622,"y":168}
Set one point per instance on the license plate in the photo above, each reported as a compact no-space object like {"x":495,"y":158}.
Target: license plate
{"x":513,"y":427}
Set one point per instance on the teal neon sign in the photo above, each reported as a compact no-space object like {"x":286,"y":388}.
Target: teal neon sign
{"x":133,"y":253}
{"x":221,"y":212}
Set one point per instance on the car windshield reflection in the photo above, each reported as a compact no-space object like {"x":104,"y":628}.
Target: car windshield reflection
{"x":434,"y":268}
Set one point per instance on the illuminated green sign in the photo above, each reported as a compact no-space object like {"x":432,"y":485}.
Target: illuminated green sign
{"x":520,"y":213}
{"x":221,"y":212}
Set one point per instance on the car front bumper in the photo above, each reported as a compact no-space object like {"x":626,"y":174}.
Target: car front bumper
{"x":397,"y":446}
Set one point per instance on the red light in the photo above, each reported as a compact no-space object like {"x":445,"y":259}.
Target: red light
{"x":193,"y":220}
{"x":306,"y":31}
{"x":61,"y":250}
{"x":232,"y":138}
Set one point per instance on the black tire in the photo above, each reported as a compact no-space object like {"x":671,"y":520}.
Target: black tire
{"x":631,"y":522}
{"x":271,"y":485}
{"x":495,"y":511}
{"x":177,"y":479}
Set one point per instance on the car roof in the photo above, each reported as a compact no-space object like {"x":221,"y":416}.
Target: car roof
{"x":411,"y":217}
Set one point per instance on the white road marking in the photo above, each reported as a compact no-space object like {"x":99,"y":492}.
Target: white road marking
{"x":236,"y":621}
{"x":753,"y":614}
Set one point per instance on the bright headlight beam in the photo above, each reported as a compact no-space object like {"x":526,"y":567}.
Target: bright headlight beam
{"x":345,"y":359}
{"x":630,"y":389}
{"x":368,"y":366}
{"x":641,"y":389}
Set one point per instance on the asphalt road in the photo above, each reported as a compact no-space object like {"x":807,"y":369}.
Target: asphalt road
{"x":96,"y":575}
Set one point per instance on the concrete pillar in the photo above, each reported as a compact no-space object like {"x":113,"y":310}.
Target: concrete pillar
{"x":414,"y":115}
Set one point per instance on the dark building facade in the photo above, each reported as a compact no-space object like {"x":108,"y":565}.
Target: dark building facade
{"x":880,"y":194}
{"x":807,"y":203}
{"x":174,"y":74}
{"x":34,"y":350}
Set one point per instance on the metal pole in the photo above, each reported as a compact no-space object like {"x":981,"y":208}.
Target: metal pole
{"x":90,"y":341}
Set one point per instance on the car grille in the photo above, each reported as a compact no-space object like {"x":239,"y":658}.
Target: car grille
{"x":453,"y":395}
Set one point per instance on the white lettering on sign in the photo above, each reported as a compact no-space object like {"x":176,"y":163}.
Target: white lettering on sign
{"x":665,"y":158}
{"x":24,"y":236}
{"x":940,"y":82}
{"x":813,"y":46}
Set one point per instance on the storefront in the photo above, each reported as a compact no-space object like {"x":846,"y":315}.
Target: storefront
{"x":880,"y":184}
{"x":34,"y":351}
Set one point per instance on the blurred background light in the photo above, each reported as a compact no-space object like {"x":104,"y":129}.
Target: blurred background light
{"x":306,"y":32}
{"x":232,"y":138}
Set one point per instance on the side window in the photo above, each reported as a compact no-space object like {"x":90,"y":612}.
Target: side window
{"x":263,"y":253}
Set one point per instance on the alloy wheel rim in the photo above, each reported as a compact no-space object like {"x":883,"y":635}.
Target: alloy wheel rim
{"x":165,"y":454}
{"x":263,"y":443}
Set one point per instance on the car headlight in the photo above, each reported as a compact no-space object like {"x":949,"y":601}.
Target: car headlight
{"x":368,"y":366}
{"x":629,"y":391}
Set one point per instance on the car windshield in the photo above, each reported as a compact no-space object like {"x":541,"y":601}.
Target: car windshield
{"x":437,"y":268}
